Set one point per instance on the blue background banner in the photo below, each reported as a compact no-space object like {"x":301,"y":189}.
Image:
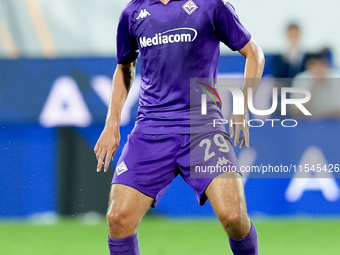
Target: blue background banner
{"x":29,"y":141}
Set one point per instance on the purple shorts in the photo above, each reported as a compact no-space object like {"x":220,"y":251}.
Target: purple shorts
{"x":149,"y":163}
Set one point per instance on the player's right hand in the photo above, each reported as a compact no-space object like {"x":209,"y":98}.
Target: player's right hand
{"x":106,"y":147}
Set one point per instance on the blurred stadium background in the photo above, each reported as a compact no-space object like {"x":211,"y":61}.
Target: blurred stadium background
{"x":57,"y":58}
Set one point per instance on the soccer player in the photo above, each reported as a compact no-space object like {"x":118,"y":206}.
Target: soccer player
{"x":177,"y":40}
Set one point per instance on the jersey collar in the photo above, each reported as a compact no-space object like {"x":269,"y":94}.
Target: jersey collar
{"x":156,"y":1}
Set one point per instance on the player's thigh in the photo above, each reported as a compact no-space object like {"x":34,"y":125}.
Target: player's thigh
{"x":226,"y":195}
{"x":127,"y":206}
{"x":147,"y":164}
{"x":204,"y":157}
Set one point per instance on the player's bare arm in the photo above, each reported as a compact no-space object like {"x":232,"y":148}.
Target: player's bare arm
{"x":252,"y":74}
{"x":108,"y":141}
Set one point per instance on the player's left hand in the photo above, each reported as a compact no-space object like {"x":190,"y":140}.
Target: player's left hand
{"x":243,"y":125}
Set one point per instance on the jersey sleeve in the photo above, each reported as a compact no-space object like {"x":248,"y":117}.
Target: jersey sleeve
{"x":228,"y":28}
{"x":127,"y":47}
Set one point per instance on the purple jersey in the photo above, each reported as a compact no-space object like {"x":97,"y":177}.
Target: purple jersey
{"x":176,"y":41}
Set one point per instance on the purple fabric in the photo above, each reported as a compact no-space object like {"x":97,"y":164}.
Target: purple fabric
{"x":149,"y":163}
{"x":124,"y":246}
{"x":174,"y":47}
{"x":247,"y":245}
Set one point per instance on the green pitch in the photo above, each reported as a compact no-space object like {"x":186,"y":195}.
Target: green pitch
{"x":162,"y":236}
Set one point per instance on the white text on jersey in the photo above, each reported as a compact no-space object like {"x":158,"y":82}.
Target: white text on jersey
{"x":165,"y":38}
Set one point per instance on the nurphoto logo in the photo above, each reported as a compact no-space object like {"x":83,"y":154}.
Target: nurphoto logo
{"x":239,"y":104}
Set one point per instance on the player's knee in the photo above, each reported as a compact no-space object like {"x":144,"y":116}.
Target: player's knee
{"x":231,"y":221}
{"x":118,"y":219}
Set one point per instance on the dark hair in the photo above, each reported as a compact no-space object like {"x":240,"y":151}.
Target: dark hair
{"x":316,"y":56}
{"x":293,"y":25}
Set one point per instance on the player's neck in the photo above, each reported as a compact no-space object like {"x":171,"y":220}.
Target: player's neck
{"x":165,"y":2}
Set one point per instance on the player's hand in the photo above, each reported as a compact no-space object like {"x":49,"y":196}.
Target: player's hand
{"x":235,"y":129}
{"x":106,"y":147}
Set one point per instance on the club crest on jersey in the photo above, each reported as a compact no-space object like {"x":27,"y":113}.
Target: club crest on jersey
{"x":189,"y":7}
{"x":121,"y":168}
{"x":143,"y":14}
